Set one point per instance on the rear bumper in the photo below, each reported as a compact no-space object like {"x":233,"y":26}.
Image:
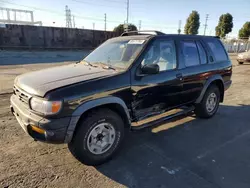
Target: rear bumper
{"x":54,"y":129}
{"x":227,"y":84}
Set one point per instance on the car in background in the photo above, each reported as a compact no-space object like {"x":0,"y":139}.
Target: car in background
{"x":243,"y":57}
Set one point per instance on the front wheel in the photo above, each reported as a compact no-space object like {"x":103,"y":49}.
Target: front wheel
{"x":240,"y":63}
{"x":209,"y":104}
{"x":97,"y":137}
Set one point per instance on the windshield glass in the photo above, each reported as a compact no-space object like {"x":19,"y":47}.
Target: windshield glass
{"x":118,"y":54}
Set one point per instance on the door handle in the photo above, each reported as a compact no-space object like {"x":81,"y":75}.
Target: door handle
{"x":179,"y":76}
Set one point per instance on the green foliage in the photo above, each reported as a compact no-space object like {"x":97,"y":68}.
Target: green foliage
{"x":120,"y":28}
{"x":225,"y":25}
{"x":244,"y":32}
{"x":192,"y":24}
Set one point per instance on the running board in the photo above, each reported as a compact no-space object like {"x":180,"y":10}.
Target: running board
{"x":160,"y":118}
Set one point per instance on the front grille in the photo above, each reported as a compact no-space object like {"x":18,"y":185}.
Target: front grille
{"x":22,"y":96}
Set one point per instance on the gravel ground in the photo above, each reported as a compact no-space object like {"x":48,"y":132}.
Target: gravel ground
{"x":196,"y":153}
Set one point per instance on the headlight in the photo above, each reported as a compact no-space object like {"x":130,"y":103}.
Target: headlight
{"x":240,"y":55}
{"x":45,"y":107}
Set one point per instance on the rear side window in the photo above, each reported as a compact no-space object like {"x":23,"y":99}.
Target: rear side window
{"x":217,"y":49}
{"x":202,"y":53}
{"x":190,"y":52}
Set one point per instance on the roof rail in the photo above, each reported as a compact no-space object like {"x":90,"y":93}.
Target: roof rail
{"x":147,"y":32}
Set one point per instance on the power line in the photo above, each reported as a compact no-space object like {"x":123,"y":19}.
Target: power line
{"x":82,"y":17}
{"x":114,"y":1}
{"x":74,"y":24}
{"x":157,"y":25}
{"x":94,"y":4}
{"x":127,"y":10}
{"x":179,"y":28}
{"x":60,"y":14}
{"x":105,"y":22}
{"x":76,"y":16}
{"x":206,"y":24}
{"x":139,"y":25}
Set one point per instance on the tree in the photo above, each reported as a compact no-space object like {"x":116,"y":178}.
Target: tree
{"x":244,"y":32}
{"x":225,"y":25}
{"x":192,"y":24}
{"x":120,"y":28}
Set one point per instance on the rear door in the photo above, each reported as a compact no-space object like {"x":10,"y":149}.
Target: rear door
{"x":195,"y":60}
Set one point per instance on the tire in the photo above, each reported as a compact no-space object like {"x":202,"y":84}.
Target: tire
{"x":240,"y":63}
{"x":204,"y":111}
{"x":81,"y":146}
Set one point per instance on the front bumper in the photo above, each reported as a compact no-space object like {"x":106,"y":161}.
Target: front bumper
{"x":55,"y":129}
{"x":243,"y":59}
{"x":227,"y":84}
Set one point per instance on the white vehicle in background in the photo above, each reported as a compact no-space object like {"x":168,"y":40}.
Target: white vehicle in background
{"x":243,"y":57}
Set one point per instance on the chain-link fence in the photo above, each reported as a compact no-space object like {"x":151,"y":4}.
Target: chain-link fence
{"x":234,"y":45}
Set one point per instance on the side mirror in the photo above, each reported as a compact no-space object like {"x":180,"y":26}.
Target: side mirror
{"x":150,"y":69}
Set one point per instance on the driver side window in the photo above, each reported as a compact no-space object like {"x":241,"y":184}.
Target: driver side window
{"x":162,"y":53}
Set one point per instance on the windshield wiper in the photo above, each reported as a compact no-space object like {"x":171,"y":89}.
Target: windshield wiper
{"x":109,"y":67}
{"x":105,"y":66}
{"x":87,"y":63}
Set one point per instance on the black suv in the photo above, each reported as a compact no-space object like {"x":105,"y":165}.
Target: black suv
{"x":129,"y":82}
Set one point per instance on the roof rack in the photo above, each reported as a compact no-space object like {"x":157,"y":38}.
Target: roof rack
{"x":147,"y":32}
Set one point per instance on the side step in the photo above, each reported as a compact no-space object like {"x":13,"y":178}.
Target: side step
{"x":161,"y":118}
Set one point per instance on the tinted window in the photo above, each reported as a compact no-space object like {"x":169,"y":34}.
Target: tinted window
{"x":161,"y":53}
{"x":190,"y":53}
{"x":202,"y":53}
{"x":218,"y":50}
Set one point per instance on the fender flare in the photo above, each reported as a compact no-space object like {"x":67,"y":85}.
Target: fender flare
{"x":90,"y":105}
{"x":207,"y":84}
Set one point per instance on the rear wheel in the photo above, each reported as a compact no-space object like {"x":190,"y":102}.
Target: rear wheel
{"x":98,"y":137}
{"x":240,"y":63}
{"x":209,"y":104}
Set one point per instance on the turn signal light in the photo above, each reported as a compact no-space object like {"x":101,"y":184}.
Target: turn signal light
{"x":37,"y":129}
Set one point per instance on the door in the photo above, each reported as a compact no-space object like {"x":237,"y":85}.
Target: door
{"x":196,"y":69}
{"x":155,"y":93}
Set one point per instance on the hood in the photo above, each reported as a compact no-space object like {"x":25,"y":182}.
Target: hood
{"x":40,"y":82}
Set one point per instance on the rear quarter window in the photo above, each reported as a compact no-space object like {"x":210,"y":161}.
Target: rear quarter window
{"x":217,"y":49}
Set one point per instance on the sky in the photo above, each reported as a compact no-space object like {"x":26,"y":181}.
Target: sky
{"x":161,"y":15}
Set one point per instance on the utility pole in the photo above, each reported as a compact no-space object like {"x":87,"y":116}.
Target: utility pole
{"x":139,"y":25}
{"x":93,"y":26}
{"x":105,"y":22}
{"x":179,"y":28}
{"x":206,"y":24}
{"x":74,"y":24}
{"x":8,"y":14}
{"x":68,"y":17}
{"x":127,"y":10}
{"x":210,"y":33}
{"x":15,"y":15}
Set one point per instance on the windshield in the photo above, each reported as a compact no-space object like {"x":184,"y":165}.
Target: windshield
{"x":118,"y":54}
